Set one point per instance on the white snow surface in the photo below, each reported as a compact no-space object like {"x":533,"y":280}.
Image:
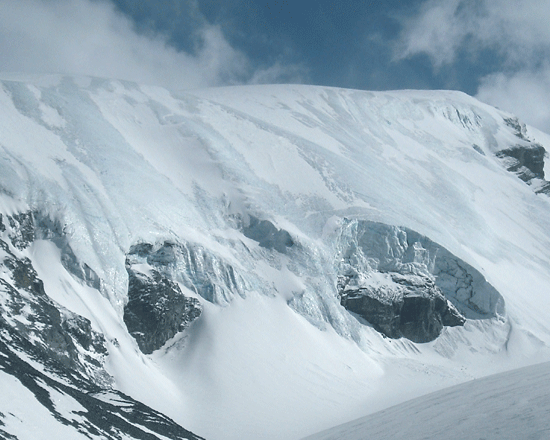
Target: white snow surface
{"x":116,"y":163}
{"x":504,"y":406}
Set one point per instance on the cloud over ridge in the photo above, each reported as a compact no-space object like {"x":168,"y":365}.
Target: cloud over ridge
{"x":85,"y":37}
{"x":516,"y":31}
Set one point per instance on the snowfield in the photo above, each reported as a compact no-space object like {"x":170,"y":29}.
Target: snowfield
{"x":508,"y":405}
{"x":197,"y":177}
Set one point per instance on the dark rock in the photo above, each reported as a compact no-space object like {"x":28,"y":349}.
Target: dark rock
{"x":384,"y":315}
{"x":451,"y":317}
{"x":24,"y":275}
{"x":80,"y":329}
{"x":166,"y":255}
{"x":50,"y":352}
{"x":267,"y":235}
{"x":24,"y":228}
{"x":543,"y":188}
{"x":156,"y":309}
{"x":409,"y":258}
{"x":419,"y":320}
{"x":527,"y":161}
{"x":4,"y":435}
{"x":142,"y":249}
{"x":412,"y":309}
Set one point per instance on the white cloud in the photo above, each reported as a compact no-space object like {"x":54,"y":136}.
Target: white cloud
{"x":84,"y":37}
{"x":436,"y":31}
{"x":516,"y":30}
{"x":278,"y":73}
{"x":524,"y":93}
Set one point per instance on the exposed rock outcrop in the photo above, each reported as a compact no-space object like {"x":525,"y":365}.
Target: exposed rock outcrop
{"x":413,"y":307}
{"x":157,"y":309}
{"x":21,"y":229}
{"x":526,"y":158}
{"x":527,"y":161}
{"x":267,"y":235}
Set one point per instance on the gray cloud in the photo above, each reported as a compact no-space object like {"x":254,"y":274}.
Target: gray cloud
{"x":84,"y":37}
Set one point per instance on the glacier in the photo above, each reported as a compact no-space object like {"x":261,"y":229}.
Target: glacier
{"x":249,"y":201}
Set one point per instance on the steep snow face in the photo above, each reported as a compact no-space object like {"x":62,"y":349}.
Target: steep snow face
{"x":242,"y":196}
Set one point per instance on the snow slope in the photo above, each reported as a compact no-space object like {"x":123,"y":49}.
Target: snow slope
{"x":508,"y":405}
{"x":274,"y":355}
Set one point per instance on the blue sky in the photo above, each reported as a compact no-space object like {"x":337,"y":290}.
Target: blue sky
{"x":496,"y":50}
{"x":343,"y":44}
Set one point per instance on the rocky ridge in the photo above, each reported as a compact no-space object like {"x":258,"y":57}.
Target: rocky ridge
{"x":55,"y":354}
{"x":59,"y":335}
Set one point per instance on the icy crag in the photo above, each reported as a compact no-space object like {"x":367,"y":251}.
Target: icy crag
{"x":196,"y":267}
{"x":406,"y":285}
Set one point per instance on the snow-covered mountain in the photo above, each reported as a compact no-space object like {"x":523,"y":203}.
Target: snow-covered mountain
{"x":260,"y":261}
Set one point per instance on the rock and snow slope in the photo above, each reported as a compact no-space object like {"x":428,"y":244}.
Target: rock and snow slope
{"x":245,"y":209}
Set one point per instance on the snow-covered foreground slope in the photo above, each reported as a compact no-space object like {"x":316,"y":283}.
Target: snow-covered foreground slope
{"x":206,"y":237}
{"x":508,"y":405}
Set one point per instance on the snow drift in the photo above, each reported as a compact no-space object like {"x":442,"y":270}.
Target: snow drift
{"x":508,"y":405}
